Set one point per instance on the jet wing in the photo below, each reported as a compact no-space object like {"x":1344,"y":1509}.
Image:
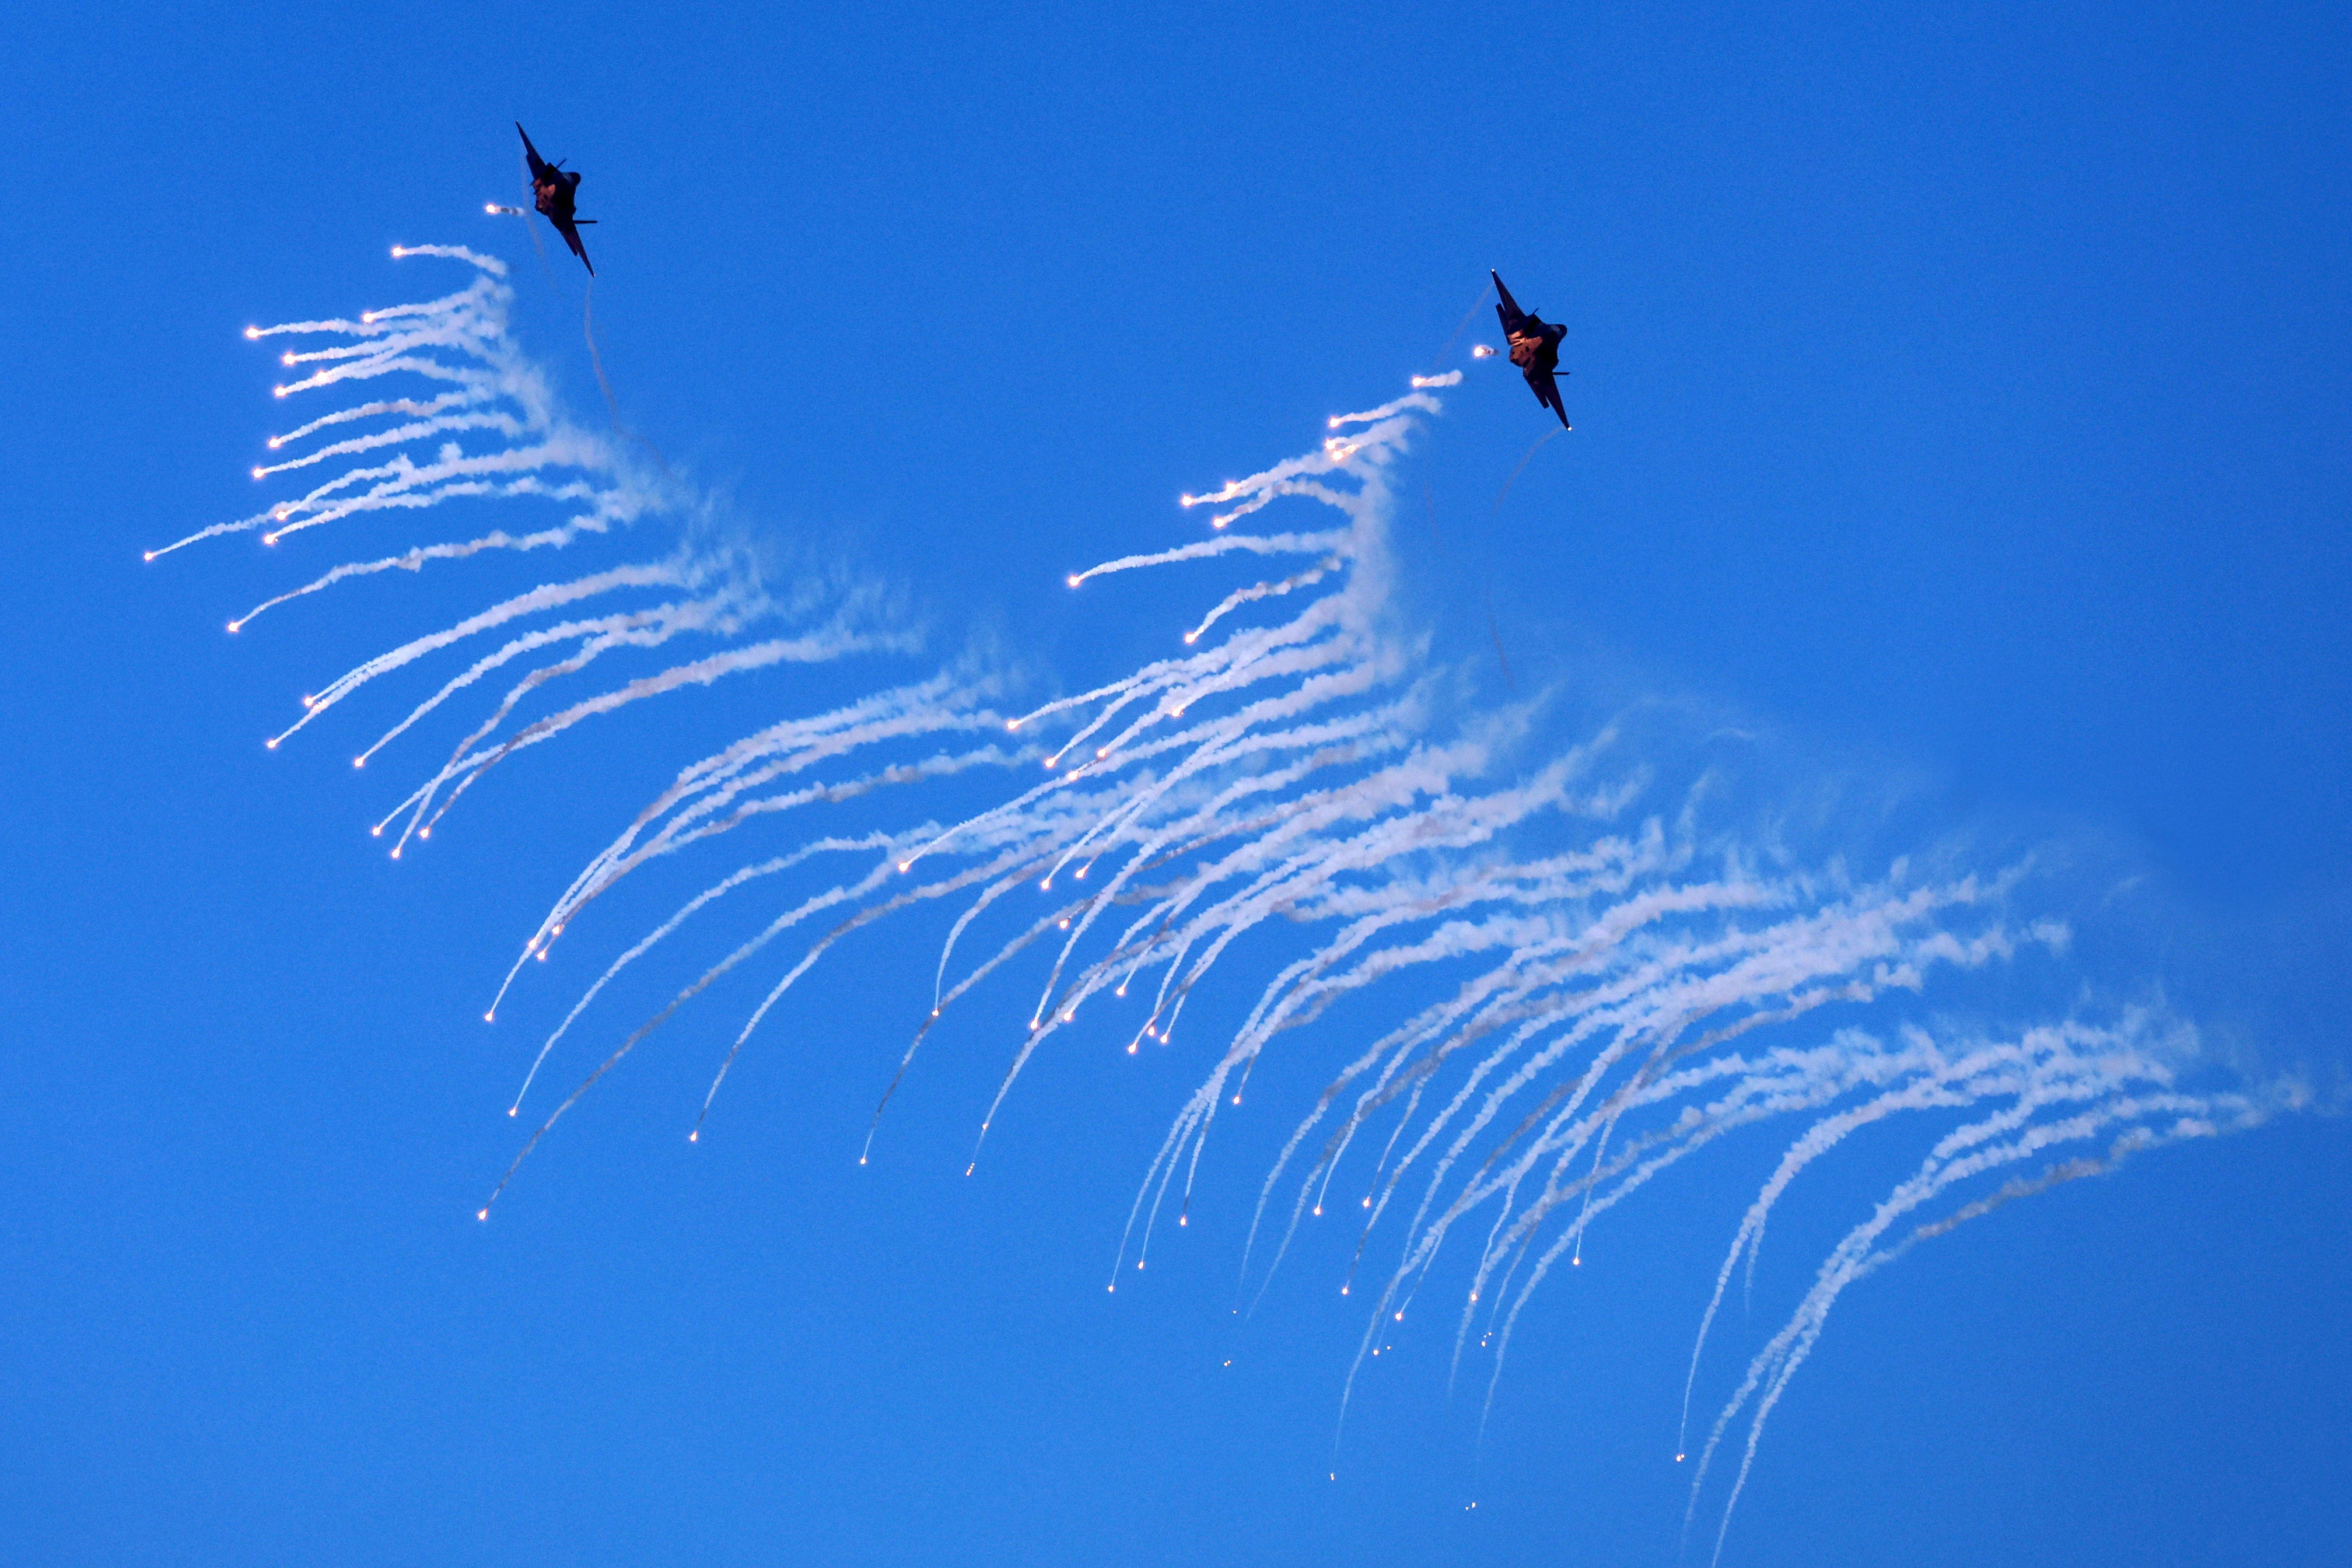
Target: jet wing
{"x":569,"y":229}
{"x":537,"y":163}
{"x":1547,"y":391}
{"x":1506,"y":309}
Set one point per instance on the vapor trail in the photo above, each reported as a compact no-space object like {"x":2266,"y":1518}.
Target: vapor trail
{"x":479,"y":424}
{"x":1544,"y":977}
{"x":1594,"y":1015}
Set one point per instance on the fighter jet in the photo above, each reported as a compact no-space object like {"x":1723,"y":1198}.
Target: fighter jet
{"x":1535,"y":348}
{"x":556,"y":190}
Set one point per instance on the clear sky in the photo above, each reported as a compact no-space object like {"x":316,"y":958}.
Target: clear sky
{"x":1961,"y":403}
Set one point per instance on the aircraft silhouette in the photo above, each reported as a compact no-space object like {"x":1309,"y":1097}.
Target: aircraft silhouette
{"x":555,"y":190}
{"x":1535,"y":348}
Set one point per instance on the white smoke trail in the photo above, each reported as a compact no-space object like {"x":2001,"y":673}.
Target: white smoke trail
{"x":1617,"y":1006}
{"x":493,"y":432}
{"x":1627,"y":1003}
{"x":1589,"y":968}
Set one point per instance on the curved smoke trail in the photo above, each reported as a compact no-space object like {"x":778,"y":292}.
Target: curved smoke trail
{"x":1590,"y":968}
{"x":409,"y":454}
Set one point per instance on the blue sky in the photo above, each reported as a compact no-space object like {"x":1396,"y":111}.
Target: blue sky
{"x":1959,"y":403}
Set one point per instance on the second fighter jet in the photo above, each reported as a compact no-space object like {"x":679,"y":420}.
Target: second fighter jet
{"x":1535,"y":348}
{"x":554,"y":190}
